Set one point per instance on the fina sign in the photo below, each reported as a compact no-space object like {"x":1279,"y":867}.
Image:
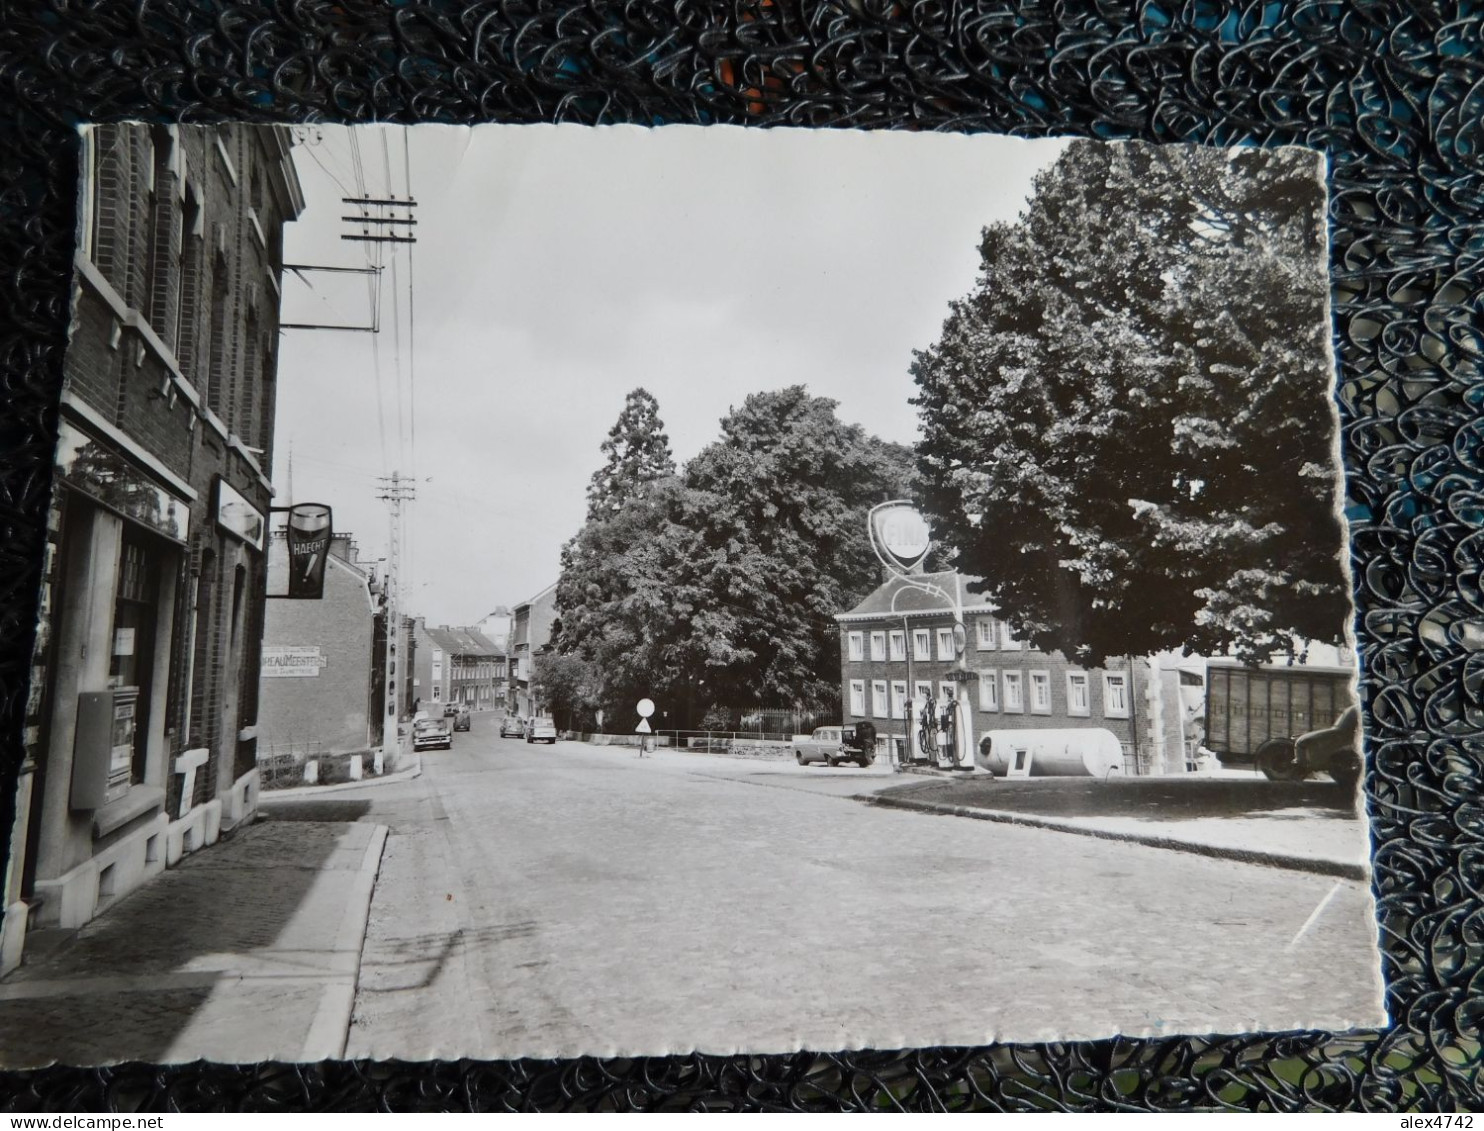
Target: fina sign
{"x":900,"y":534}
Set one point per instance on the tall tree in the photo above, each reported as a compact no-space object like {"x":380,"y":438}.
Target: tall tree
{"x":637,"y":452}
{"x":779,"y":504}
{"x":719,"y":587}
{"x":621,"y":600}
{"x":1126,"y":425}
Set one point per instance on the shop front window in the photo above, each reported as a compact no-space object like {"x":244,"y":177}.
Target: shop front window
{"x":131,"y":664}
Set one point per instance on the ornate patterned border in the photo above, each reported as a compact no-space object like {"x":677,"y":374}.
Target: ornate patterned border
{"x":1390,"y":90}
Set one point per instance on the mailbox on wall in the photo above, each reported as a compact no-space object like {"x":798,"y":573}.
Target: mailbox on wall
{"x":103,"y":748}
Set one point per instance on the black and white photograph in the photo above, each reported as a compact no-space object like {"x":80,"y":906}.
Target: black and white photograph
{"x":548,"y":591}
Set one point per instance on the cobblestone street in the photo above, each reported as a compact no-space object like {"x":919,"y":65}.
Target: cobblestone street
{"x":245,"y":952}
{"x":557,"y":900}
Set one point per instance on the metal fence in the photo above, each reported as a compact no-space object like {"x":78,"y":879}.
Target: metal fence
{"x":281,"y":764}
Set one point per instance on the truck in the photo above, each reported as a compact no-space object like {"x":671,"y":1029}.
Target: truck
{"x":835,"y":744}
{"x":1287,"y":722}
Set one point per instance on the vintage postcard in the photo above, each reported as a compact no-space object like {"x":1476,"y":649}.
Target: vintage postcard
{"x":541,"y":591}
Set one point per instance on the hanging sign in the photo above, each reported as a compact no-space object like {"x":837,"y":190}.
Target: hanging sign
{"x":310,"y":527}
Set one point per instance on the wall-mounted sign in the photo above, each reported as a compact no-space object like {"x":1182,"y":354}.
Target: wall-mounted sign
{"x":97,"y":470}
{"x":310,"y":528}
{"x":292,"y":660}
{"x":238,"y":517}
{"x":900,"y":534}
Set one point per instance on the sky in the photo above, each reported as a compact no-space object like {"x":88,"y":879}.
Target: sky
{"x":558,"y":267}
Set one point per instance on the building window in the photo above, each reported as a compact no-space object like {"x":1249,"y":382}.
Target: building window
{"x":945,"y":693}
{"x":1078,"y":701}
{"x":1013,"y":699}
{"x":899,"y":699}
{"x":1040,"y":693}
{"x":922,"y":691}
{"x":858,"y":698}
{"x":984,"y":630}
{"x":188,"y":286}
{"x":203,"y":683}
{"x":216,"y":391}
{"x":878,"y":698}
{"x":989,"y":691}
{"x":945,"y":644}
{"x":878,"y":646}
{"x":922,"y":644}
{"x":1008,"y":642}
{"x":898,"y":642}
{"x":1115,"y":695}
{"x":135,"y":626}
{"x":437,"y":693}
{"x":856,"y":645}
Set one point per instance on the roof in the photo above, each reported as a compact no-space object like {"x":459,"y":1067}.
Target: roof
{"x":462,"y":641}
{"x":923,"y":594}
{"x":550,"y":589}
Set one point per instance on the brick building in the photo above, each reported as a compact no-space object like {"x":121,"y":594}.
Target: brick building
{"x":321,"y":689}
{"x":898,"y":645}
{"x":457,"y":665}
{"x":139,"y":739}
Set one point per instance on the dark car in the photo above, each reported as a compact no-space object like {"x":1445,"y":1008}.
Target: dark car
{"x":461,"y":717}
{"x":512,"y":727}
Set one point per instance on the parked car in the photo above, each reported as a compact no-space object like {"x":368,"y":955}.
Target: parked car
{"x":461,"y":717}
{"x":512,"y":727}
{"x":833,"y":745}
{"x":431,"y":734}
{"x":541,"y":729}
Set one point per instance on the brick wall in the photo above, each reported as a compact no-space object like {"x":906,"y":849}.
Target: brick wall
{"x":331,"y":708}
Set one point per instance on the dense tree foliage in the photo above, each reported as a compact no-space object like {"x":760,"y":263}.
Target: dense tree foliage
{"x":1126,"y":426}
{"x":570,"y":689}
{"x":780,"y":505}
{"x":718,"y":586}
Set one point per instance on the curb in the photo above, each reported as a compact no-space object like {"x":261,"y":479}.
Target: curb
{"x":330,"y":1030}
{"x":412,"y":771}
{"x":1336,"y":868}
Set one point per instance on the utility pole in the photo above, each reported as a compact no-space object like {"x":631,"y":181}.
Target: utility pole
{"x":396,"y":489}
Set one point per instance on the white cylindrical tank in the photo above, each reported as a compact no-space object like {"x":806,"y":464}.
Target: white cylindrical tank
{"x":1079,"y":752}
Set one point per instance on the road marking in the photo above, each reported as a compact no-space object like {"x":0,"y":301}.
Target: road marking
{"x":1323,"y":903}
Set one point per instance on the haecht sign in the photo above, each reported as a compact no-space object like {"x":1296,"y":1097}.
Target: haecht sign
{"x":310,"y":528}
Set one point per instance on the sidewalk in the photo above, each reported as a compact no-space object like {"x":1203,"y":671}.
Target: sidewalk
{"x":1305,"y":826}
{"x":247,"y":951}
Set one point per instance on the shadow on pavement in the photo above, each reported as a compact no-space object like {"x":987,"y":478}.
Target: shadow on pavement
{"x":1153,"y":799}
{"x":318,"y":810}
{"x":127,"y":984}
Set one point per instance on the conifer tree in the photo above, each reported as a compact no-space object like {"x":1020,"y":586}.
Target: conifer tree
{"x":637,"y":452}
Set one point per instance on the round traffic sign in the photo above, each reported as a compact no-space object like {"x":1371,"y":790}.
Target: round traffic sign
{"x":645,"y":708}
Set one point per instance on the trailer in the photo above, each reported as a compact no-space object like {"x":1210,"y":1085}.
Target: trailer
{"x":1287,"y":722}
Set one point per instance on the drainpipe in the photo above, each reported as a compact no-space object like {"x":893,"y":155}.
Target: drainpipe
{"x":1133,"y":713}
